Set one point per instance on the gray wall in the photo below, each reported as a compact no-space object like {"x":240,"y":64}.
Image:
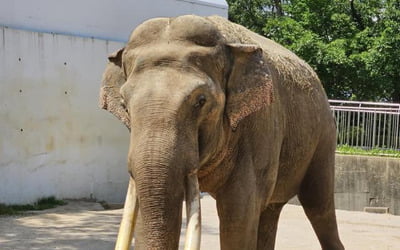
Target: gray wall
{"x":363,"y":181}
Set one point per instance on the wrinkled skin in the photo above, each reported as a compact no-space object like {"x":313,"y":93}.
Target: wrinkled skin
{"x":205,"y":96}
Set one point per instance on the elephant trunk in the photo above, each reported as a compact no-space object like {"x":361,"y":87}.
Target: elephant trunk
{"x":162,"y":179}
{"x":193,"y":232}
{"x":160,"y":189}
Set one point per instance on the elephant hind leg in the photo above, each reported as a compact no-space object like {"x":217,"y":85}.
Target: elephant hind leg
{"x":316,"y":195}
{"x":268,"y":225}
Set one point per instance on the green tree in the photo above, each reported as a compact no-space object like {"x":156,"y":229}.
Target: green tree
{"x":353,"y":45}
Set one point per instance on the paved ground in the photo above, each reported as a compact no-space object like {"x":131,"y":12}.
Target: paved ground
{"x":85,"y":225}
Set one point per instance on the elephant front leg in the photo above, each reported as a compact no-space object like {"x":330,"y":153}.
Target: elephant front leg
{"x":238,"y":211}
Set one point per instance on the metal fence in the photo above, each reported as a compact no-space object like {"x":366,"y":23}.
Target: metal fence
{"x":367,"y":124}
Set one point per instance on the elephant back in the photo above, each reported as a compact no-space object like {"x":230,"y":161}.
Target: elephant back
{"x":294,"y":71}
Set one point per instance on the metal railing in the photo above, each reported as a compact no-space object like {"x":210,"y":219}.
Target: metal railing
{"x":367,"y":124}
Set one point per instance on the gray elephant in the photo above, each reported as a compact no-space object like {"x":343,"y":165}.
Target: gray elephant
{"x":212,"y":106}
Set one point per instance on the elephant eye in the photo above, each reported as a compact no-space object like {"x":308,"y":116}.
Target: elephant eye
{"x":201,"y":100}
{"x":124,"y":105}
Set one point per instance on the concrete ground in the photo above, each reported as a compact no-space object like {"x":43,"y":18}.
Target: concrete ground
{"x":86,"y":225}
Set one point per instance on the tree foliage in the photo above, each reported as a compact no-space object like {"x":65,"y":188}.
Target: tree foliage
{"x":354,"y":45}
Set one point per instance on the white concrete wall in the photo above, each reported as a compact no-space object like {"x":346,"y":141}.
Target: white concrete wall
{"x":54,"y":140}
{"x":106,"y":19}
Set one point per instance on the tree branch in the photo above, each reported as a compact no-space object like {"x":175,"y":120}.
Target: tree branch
{"x":356,"y":16}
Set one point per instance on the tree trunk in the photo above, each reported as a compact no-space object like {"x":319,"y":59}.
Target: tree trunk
{"x":396,"y":95}
{"x":278,"y":6}
{"x":356,"y":16}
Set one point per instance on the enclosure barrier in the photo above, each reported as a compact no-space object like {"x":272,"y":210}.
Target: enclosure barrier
{"x":367,"y":125}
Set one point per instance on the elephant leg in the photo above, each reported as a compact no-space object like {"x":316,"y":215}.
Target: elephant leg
{"x":238,"y":211}
{"x":317,"y":198}
{"x":268,"y":225}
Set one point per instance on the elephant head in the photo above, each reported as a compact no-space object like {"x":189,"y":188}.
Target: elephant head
{"x":182,"y":89}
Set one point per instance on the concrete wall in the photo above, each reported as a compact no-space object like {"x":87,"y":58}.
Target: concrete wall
{"x":54,"y":140}
{"x":105,"y":19}
{"x":367,"y":182}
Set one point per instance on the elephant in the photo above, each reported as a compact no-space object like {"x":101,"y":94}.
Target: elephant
{"x":214,"y":107}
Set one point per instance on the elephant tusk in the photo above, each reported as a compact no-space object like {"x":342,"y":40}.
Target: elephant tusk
{"x":193,"y":214}
{"x":128,"y":221}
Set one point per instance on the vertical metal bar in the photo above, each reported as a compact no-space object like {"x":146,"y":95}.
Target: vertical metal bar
{"x":370,"y":127}
{"x":336,"y":112}
{"x":397,"y":132}
{"x":369,"y":141}
{"x":358,"y":127}
{"x":348,"y":128}
{"x":394,"y":128}
{"x":389,"y":131}
{"x":379,"y":130}
{"x":394,"y":132}
{"x":353,"y":127}
{"x":362,"y":131}
{"x":343,"y":127}
{"x":384,"y":132}
{"x":366,"y":130}
{"x":368,"y":124}
{"x":338,"y":126}
{"x":374,"y":130}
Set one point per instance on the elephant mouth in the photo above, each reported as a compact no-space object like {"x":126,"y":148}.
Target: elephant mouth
{"x":193,"y":214}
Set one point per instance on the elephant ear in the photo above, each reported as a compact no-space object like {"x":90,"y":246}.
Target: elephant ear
{"x":113,"y":79}
{"x":249,"y":87}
